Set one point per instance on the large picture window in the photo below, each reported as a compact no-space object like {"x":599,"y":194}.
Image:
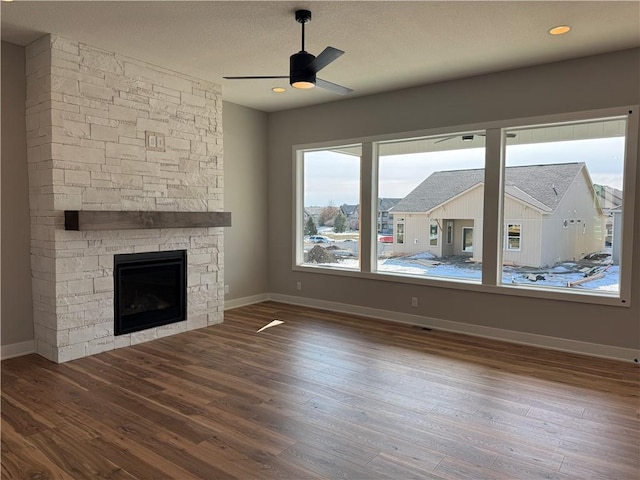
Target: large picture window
{"x":552,"y":221}
{"x":428,"y":183}
{"x":330,"y":233}
{"x":563,"y":185}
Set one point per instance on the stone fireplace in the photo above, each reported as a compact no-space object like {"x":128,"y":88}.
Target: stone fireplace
{"x":110,"y":133}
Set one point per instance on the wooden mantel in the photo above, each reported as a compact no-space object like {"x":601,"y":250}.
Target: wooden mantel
{"x":129,"y":220}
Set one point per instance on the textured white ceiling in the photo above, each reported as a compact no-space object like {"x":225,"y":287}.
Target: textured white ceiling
{"x":389,"y":44}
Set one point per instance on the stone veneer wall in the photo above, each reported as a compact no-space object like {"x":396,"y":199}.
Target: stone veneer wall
{"x":87,"y":114}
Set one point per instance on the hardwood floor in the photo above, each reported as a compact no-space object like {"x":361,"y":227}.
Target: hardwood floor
{"x":323,"y":395}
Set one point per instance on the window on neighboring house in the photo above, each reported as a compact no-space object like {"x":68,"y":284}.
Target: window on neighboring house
{"x":557,"y":183}
{"x":513,"y":236}
{"x":329,"y":178}
{"x":433,"y":234}
{"x":400,"y":232}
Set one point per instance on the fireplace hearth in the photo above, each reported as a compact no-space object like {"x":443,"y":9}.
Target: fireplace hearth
{"x":150,"y":290}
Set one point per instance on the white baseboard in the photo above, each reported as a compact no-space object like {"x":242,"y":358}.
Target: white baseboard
{"x":532,"y":339}
{"x":244,"y":301}
{"x":17,"y":349}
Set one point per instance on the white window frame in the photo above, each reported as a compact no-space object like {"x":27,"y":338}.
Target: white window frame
{"x":493,"y":224}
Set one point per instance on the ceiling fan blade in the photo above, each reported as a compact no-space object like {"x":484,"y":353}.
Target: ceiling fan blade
{"x":327,"y":56}
{"x":258,"y":77}
{"x":332,"y":87}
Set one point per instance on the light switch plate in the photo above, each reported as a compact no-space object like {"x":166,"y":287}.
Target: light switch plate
{"x":154,"y":141}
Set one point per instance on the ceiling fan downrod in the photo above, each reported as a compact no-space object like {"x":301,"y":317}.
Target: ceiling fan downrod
{"x":303,"y":17}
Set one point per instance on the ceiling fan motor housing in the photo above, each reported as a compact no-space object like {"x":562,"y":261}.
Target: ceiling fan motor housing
{"x":300,"y":68}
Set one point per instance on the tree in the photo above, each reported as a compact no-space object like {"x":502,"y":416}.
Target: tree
{"x":340,"y":223}
{"x":310,"y":226}
{"x":327,"y":214}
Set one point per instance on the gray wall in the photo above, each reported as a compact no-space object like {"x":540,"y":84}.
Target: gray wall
{"x":245,"y":196}
{"x":17,"y":313}
{"x":582,"y":84}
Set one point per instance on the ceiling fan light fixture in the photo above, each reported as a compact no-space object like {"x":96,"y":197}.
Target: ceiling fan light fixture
{"x":301,"y":76}
{"x":303,"y":85}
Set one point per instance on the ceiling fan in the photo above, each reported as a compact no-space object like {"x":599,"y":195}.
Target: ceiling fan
{"x":469,"y":137}
{"x":304,"y":66}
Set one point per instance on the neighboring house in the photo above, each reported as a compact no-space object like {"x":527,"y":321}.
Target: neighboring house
{"x":313,"y":212}
{"x":549,"y":215}
{"x":611,"y":201}
{"x":352,"y":214}
{"x":385,"y":216}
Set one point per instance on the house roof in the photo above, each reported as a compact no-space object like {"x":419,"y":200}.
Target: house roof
{"x":610,"y":198}
{"x":385,"y":204}
{"x":541,"y":186}
{"x":349,"y":209}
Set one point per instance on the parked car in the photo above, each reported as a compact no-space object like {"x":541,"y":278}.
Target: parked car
{"x":319,"y":239}
{"x":386,"y":239}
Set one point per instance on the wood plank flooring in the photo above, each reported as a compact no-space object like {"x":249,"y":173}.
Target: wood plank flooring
{"x":323,"y":395}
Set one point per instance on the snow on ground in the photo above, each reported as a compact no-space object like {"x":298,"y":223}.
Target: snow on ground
{"x":558,"y":276}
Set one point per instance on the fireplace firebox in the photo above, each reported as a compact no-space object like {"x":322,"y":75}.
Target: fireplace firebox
{"x":150,"y":290}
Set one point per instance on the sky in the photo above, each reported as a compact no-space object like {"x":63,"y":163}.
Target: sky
{"x":333,"y":178}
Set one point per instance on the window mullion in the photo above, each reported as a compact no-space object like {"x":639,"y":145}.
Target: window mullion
{"x":493,"y":211}
{"x":368,"y":191}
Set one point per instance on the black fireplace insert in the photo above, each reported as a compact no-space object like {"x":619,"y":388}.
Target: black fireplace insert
{"x":150,"y":290}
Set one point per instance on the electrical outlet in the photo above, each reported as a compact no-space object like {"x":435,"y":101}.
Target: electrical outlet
{"x":414,"y":301}
{"x":226,"y":289}
{"x":298,"y":286}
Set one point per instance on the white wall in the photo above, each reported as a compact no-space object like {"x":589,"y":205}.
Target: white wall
{"x":601,"y":81}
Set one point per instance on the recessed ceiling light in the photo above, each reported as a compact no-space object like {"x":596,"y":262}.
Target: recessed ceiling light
{"x":559,"y":30}
{"x":278,"y":89}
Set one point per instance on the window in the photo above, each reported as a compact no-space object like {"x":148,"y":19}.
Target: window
{"x":561,"y":183}
{"x":400,"y":232}
{"x":432,"y":182}
{"x":433,"y":234}
{"x":564,"y":184}
{"x":513,"y":236}
{"x":329,"y":235}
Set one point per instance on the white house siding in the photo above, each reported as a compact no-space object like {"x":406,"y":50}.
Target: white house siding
{"x":467,"y":207}
{"x":570,"y":243}
{"x":466,"y":211}
{"x":531,"y":221}
{"x":416,"y":234}
{"x":616,"y":241}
